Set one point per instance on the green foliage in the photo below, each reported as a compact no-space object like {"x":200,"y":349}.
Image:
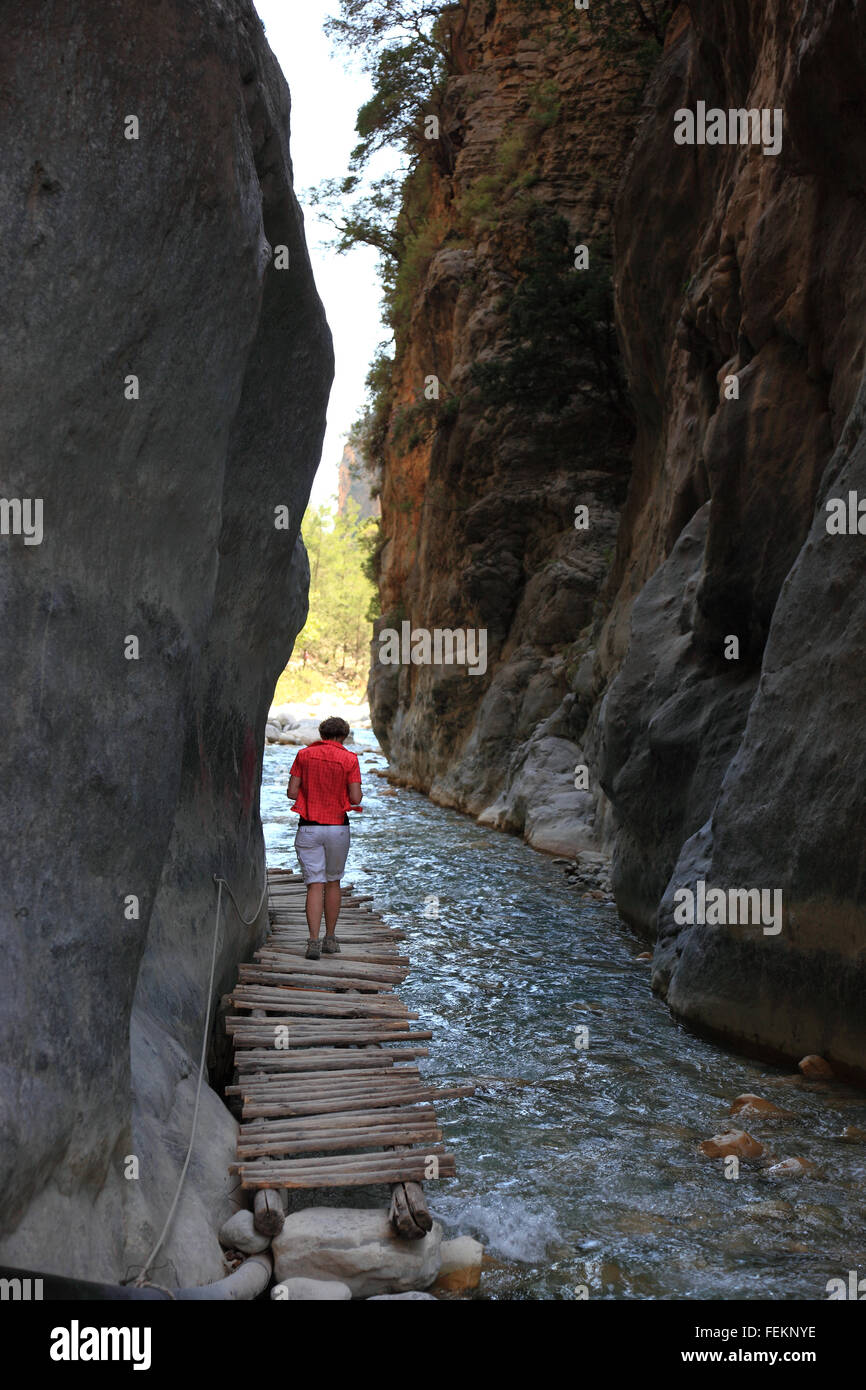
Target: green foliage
{"x":515,"y":167}
{"x":335,"y":639}
{"x":417,"y":423}
{"x":561,"y":327}
{"x":627,"y":31}
{"x":369,"y":433}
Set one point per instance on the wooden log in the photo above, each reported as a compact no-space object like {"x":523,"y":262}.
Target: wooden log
{"x":267,"y":972}
{"x":332,"y":1037}
{"x":365,"y":1084}
{"x":414,"y":1159}
{"x":268,"y":1215}
{"x":401,"y":1217}
{"x":276,"y":1108}
{"x":308,"y":1125}
{"x":346,"y":1139}
{"x":330,"y":1126}
{"x":383,"y":1173}
{"x":410,"y":1199}
{"x":418,"y":1206}
{"x":325,"y":1058}
{"x":302,"y":1078}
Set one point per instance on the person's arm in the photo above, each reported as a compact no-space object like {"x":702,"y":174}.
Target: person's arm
{"x":354,"y":787}
{"x":294,"y":779}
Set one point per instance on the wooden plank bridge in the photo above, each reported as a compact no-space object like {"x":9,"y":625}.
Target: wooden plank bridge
{"x":325,"y":1055}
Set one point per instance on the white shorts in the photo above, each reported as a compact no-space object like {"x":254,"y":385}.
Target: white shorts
{"x":322,"y":851}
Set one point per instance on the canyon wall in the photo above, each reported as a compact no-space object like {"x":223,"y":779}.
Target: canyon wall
{"x":478,"y":502}
{"x":144,"y":634}
{"x":747,"y":772}
{"x":699,"y":647}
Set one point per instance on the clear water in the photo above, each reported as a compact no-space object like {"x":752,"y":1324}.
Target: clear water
{"x":580,"y":1167}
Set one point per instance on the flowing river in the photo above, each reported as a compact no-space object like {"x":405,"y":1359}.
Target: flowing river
{"x":578,"y":1167}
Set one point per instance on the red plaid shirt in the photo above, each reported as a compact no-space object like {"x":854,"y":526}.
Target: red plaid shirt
{"x":325,"y":768}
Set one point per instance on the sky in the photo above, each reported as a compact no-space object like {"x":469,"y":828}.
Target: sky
{"x":326,"y":94}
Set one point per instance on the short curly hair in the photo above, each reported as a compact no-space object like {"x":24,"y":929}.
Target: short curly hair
{"x":334,"y":728}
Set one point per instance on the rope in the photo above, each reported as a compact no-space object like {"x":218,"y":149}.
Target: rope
{"x":141,"y":1280}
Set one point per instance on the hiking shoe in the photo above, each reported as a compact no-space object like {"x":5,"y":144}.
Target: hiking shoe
{"x":313,"y":951}
{"x":330,"y":946}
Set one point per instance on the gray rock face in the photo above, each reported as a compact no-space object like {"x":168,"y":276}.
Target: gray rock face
{"x":803,"y":987}
{"x":355,"y":1247}
{"x":126,"y":784}
{"x":745,"y":774}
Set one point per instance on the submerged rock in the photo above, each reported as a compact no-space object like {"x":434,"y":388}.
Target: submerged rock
{"x":816,"y":1068}
{"x":460,"y":1269}
{"x":736,"y":1142}
{"x":747,"y":1105}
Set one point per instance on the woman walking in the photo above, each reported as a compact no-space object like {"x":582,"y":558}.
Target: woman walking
{"x":325,"y":783}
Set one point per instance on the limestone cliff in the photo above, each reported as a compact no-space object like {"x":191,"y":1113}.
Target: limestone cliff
{"x":479,"y":495}
{"x":164,"y":385}
{"x":739,"y":289}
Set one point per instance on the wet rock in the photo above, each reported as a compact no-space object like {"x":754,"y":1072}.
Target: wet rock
{"x":645,"y":955}
{"x":736,"y":1142}
{"x":239,"y":1233}
{"x":766,"y":1211}
{"x":460,"y":1269}
{"x":748,"y":1105}
{"x":356,"y":1247}
{"x":853,"y":1134}
{"x":816,"y":1068}
{"x":792,"y":1168}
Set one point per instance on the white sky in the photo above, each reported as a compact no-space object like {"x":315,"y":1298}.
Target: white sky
{"x":326,"y":95}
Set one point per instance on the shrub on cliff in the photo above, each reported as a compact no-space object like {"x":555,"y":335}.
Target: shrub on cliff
{"x":561,"y":328}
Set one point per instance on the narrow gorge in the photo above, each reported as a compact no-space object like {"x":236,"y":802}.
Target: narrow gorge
{"x":605,"y":494}
{"x":704,"y":436}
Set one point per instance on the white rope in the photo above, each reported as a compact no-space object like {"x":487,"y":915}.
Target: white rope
{"x":141,"y":1280}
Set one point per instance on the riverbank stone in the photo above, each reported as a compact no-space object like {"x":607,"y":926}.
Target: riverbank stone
{"x":239,"y":1233}
{"x":358,"y":1248}
{"x":311,"y":1291}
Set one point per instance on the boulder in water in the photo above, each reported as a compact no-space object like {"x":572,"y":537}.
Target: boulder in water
{"x":737,"y":1143}
{"x":461,"y":1265}
{"x":755,"y":1105}
{"x":816,"y":1068}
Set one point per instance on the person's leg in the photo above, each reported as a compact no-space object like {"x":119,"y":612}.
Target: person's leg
{"x":336,"y":853}
{"x":333,"y":900}
{"x":315,"y":893}
{"x":311,"y":856}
